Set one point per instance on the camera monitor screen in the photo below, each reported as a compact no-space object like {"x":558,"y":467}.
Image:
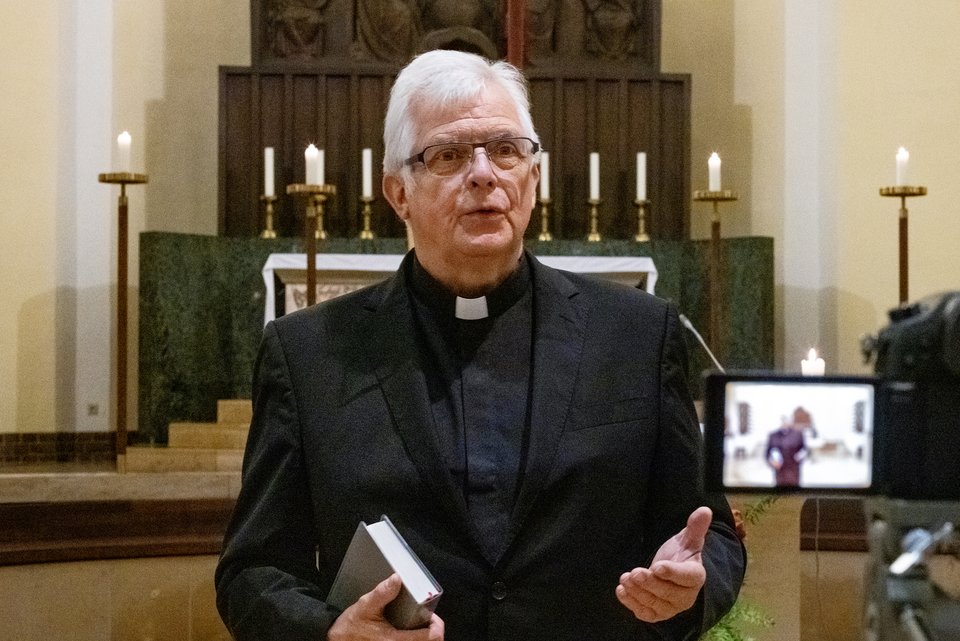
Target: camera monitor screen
{"x":789,"y":433}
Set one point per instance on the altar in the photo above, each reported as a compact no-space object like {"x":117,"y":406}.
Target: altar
{"x":204,"y":299}
{"x":284,"y":275}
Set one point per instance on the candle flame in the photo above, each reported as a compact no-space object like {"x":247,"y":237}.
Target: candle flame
{"x":812,"y":355}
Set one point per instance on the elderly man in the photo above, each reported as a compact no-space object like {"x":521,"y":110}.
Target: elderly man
{"x":528,"y":430}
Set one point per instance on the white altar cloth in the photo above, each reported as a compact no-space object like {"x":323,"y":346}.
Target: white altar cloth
{"x":626,"y":269}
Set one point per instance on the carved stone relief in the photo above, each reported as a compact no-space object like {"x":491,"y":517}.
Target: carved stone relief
{"x":611,"y":28}
{"x":388,"y":30}
{"x":557,"y":32}
{"x":296,"y":28}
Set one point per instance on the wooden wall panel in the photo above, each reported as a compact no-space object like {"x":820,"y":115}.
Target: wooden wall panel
{"x":671,"y":209}
{"x":342,"y":112}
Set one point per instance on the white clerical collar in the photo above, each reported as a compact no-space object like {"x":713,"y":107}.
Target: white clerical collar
{"x":472,"y":308}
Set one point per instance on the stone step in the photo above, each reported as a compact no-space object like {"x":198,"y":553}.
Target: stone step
{"x":234,"y":410}
{"x":217,"y":436}
{"x":182,"y":459}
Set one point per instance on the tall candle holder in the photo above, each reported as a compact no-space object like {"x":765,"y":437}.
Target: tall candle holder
{"x":545,"y":234}
{"x":642,"y":235}
{"x":715,"y":197}
{"x":366,"y":233}
{"x":313,"y":228}
{"x":268,"y":231}
{"x":594,"y":235}
{"x":903,"y":192}
{"x":122,"y":178}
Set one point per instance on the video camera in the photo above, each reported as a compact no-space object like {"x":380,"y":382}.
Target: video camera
{"x":894,"y":436}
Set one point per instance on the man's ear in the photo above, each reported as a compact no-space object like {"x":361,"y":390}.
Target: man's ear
{"x":395,"y":192}
{"x":536,"y":185}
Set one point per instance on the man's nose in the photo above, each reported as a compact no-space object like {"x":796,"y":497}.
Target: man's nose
{"x":480,"y":171}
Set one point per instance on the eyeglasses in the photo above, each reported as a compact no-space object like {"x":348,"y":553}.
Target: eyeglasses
{"x":450,"y":158}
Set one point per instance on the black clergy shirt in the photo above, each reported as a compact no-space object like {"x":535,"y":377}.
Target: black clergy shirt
{"x":479,"y":382}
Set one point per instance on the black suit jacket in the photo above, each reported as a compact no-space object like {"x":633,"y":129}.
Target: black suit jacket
{"x":342,"y":432}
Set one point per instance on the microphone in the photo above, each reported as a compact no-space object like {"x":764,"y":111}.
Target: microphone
{"x":686,"y":323}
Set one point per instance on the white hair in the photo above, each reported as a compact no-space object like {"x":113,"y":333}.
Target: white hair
{"x":441,"y":78}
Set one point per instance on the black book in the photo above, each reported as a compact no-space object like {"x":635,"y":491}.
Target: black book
{"x":375,"y":552}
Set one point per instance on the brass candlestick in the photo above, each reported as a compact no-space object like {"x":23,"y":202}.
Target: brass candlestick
{"x":545,"y":234}
{"x":594,"y":235}
{"x":642,"y":235}
{"x":716,"y":320}
{"x":313,"y":228}
{"x":366,"y":233}
{"x":123,"y":179}
{"x":903,"y":192}
{"x":268,"y":231}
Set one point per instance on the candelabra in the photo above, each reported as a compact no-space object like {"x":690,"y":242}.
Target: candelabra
{"x":545,"y":220}
{"x":316,"y":195}
{"x":642,"y":235}
{"x":594,"y":235}
{"x":123,"y":179}
{"x":715,"y":197}
{"x":268,"y":231}
{"x":366,"y":233}
{"x":903,"y":192}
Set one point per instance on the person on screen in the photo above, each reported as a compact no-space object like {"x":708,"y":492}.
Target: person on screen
{"x":529,"y":431}
{"x":786,"y":450}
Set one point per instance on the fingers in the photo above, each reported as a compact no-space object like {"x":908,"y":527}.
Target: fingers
{"x":698,"y":524}
{"x":662,"y":592}
{"x":372,"y":603}
{"x":674,"y":579}
{"x":364,"y":620}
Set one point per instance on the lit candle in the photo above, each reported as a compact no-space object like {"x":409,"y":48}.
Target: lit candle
{"x":311,"y":158}
{"x":641,"y":176}
{"x":123,"y":151}
{"x":544,"y":175}
{"x":268,"y":171}
{"x":812,"y":365}
{"x":594,"y":175}
{"x":903,"y":156}
{"x":714,"y":166}
{"x":367,"y":158}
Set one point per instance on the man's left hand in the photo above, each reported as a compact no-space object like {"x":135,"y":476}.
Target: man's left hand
{"x":672,"y":582}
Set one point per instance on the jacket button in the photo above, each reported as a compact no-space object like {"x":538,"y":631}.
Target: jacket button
{"x":499,"y":591}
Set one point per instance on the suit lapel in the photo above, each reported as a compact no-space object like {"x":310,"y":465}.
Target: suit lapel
{"x":394,"y":354}
{"x":559,"y":321}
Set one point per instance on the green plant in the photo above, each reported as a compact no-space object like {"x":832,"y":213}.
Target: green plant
{"x":730,"y":626}
{"x":743,"y":614}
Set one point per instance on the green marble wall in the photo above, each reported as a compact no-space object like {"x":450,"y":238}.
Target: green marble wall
{"x":202,"y":297}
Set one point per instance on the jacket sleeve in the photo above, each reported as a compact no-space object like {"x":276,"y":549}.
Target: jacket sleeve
{"x":266,"y":578}
{"x":679,"y":480}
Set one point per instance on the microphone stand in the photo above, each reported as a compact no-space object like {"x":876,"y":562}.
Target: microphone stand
{"x":686,"y":323}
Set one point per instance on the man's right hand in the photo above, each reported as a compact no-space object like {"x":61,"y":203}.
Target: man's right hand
{"x":364,"y":620}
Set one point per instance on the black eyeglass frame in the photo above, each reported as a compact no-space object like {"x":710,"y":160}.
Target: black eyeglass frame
{"x":419,"y":158}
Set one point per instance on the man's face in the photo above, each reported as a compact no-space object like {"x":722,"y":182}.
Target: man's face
{"x":481,"y":211}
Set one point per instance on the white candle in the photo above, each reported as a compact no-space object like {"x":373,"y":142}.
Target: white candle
{"x":903,"y":157}
{"x":544,"y":175}
{"x":812,"y":365}
{"x":268,"y":171}
{"x":310,"y":157}
{"x":594,"y":175}
{"x":641,"y":176}
{"x":123,"y":152}
{"x":714,"y":166}
{"x":367,"y":161}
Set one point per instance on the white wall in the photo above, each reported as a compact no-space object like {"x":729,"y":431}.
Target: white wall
{"x":806,"y":101}
{"x":81,"y":72}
